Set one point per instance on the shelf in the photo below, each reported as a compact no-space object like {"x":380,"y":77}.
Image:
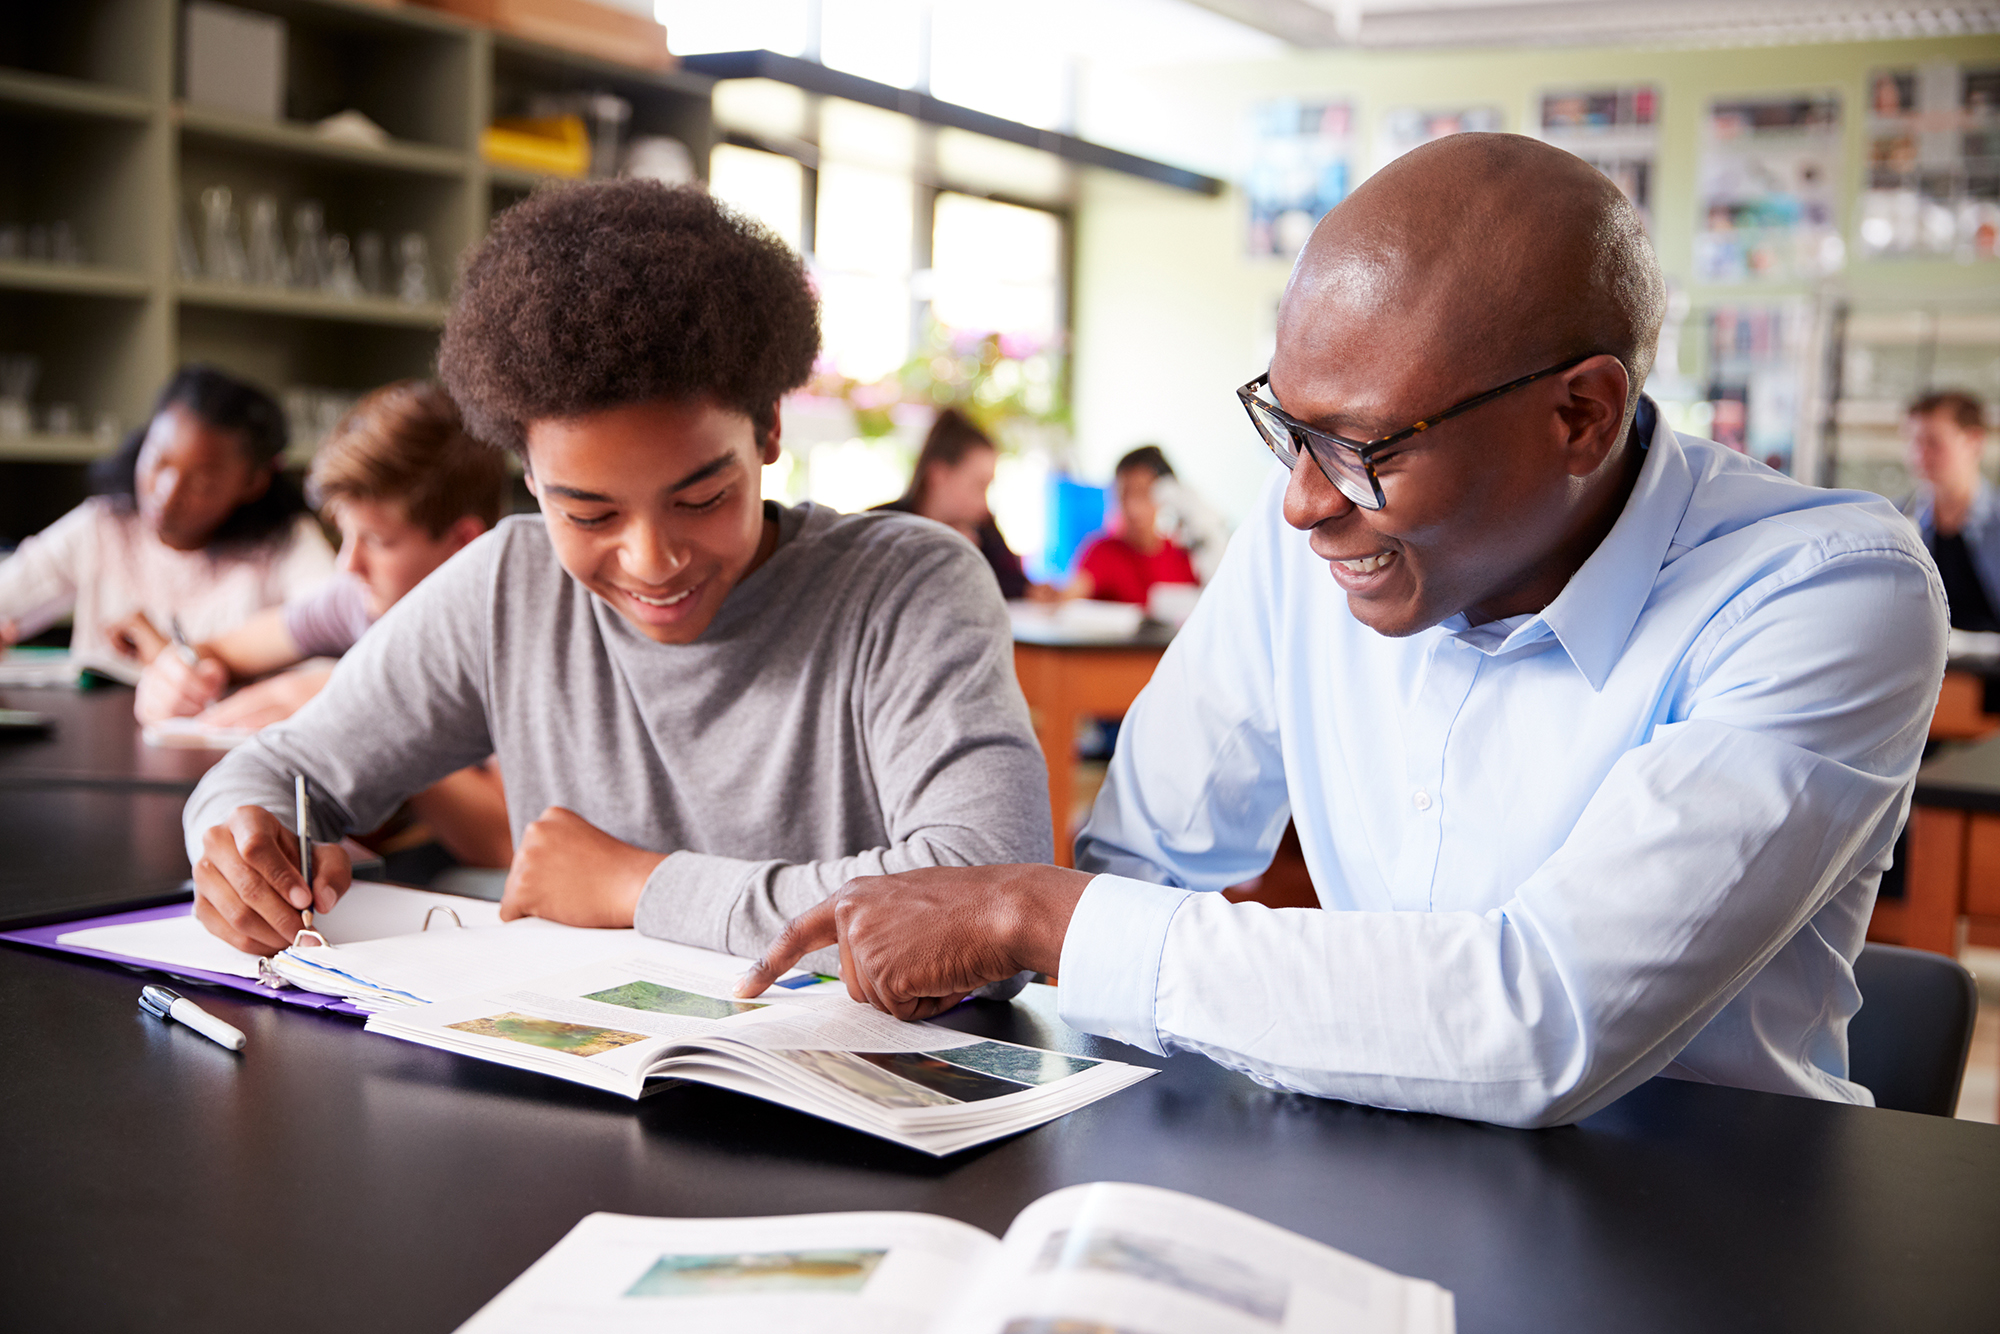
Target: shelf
{"x":1911,"y":327}
{"x":72,"y":97}
{"x":81,"y":279}
{"x":288,"y":139}
{"x":51,"y":448}
{"x":311,"y":305}
{"x":672,"y":79}
{"x":520,"y":178}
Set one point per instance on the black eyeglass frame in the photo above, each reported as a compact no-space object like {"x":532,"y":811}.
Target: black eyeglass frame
{"x":1310,"y":439}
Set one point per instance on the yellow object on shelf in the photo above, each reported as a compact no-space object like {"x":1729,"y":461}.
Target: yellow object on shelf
{"x":557,"y":145}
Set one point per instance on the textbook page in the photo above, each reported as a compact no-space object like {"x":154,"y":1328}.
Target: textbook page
{"x":607,"y":1024}
{"x":1111,"y":1258}
{"x":669,"y":1014}
{"x":367,"y":911}
{"x":873,"y":1273}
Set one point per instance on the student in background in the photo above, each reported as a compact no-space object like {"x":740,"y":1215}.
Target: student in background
{"x":192,"y":523}
{"x":712,"y":710}
{"x":1125,"y":562}
{"x":408,"y":489}
{"x":954,"y":469}
{"x":1954,"y":506}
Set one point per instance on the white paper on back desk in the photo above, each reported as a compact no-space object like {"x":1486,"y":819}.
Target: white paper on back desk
{"x":1103,"y":1258}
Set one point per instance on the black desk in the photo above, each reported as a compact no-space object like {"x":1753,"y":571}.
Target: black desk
{"x":151,"y":1180}
{"x":73,"y":851}
{"x":95,"y":743}
{"x":1965,"y":778}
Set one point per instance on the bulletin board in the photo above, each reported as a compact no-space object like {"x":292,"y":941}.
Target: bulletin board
{"x":1769,"y":173}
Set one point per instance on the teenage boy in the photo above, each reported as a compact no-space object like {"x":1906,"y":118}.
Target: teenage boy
{"x":712,"y":710}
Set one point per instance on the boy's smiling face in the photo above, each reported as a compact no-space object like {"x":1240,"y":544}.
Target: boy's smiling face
{"x":655,"y":507}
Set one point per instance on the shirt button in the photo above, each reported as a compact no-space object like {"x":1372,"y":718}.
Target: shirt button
{"x":1421,"y":799}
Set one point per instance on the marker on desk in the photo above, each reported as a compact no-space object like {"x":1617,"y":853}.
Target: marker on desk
{"x":164,"y":1004}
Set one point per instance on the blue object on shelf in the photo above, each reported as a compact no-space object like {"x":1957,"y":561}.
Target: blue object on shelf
{"x":1076,"y":511}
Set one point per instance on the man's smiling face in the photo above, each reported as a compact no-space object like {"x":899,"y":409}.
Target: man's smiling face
{"x":655,"y":507}
{"x":1459,"y":268}
{"x":1472,"y":506}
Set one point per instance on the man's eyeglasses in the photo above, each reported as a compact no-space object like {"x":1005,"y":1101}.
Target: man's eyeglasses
{"x":1350,"y":464}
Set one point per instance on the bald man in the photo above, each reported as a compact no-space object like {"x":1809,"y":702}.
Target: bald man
{"x":1597,"y":737}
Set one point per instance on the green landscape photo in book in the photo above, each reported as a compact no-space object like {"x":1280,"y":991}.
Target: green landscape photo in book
{"x":757,"y":1271}
{"x":651,"y":996}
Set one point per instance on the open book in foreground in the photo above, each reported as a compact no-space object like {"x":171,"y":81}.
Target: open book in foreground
{"x":1097,"y":1259}
{"x":624,"y":1013}
{"x":664,"y":1011}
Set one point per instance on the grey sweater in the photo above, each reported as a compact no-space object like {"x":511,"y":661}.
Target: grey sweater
{"x":852,"y":710}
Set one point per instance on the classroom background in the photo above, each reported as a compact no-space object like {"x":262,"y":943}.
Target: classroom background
{"x":1076,"y":222}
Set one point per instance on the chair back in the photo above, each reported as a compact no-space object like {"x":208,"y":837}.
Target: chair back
{"x":1907,"y":1044}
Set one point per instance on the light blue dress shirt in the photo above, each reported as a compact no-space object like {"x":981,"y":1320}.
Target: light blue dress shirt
{"x":1636,"y":834}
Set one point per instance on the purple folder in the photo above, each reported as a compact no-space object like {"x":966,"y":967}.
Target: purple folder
{"x":44,"y":937}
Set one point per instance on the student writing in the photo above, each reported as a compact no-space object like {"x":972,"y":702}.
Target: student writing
{"x":408,"y":489}
{"x":711,"y":710}
{"x":193,"y":521}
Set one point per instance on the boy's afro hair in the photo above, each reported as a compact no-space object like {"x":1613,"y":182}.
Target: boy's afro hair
{"x":588,"y":297}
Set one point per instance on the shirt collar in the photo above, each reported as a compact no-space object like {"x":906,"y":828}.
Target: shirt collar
{"x":1594,"y":614}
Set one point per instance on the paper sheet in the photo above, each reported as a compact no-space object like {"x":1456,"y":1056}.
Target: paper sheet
{"x":367,"y":911}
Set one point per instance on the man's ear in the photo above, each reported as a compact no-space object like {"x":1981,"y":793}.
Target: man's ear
{"x":1593,"y":412}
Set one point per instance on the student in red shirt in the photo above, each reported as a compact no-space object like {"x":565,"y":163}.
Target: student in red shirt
{"x":1123,"y":563}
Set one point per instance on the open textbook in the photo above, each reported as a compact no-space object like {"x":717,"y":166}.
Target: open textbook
{"x":665,"y":1012}
{"x":623,"y":1012}
{"x":1097,"y":1259}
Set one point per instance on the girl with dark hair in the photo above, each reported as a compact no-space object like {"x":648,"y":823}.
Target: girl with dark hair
{"x":954,"y":469}
{"x":192,"y":524}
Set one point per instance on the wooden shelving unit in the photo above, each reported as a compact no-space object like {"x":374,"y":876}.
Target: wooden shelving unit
{"x":98,"y":134}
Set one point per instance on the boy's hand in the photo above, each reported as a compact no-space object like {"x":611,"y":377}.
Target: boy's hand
{"x":568,"y":870}
{"x":268,"y":701}
{"x":170,"y":688}
{"x":247,"y":888}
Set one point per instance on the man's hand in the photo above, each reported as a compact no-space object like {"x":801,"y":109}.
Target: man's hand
{"x":269,"y":701}
{"x":247,"y":887}
{"x":568,"y":870}
{"x":171,"y":688}
{"x":918,"y":943}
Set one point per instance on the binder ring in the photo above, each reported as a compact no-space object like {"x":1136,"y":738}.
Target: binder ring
{"x":448,"y":912}
{"x":300,"y":942}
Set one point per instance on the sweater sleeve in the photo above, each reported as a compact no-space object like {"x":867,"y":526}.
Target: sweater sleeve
{"x":403,"y":709}
{"x":38,"y":583}
{"x":952,"y":758}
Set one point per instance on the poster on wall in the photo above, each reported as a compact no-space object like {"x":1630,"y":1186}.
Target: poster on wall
{"x":1404,"y":128}
{"x":1768,"y":171}
{"x":1298,"y":168}
{"x":1615,"y":130}
{"x":1933,"y":182}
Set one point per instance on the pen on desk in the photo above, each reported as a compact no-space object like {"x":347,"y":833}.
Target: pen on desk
{"x":304,"y":803}
{"x":164,"y":1004}
{"x":181,"y":646}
